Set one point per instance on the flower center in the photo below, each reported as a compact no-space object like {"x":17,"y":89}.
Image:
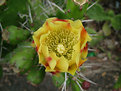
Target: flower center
{"x":61,"y":42}
{"x":60,"y":48}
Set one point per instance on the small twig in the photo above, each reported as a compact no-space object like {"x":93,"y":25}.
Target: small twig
{"x":43,"y":9}
{"x":45,"y":15}
{"x":91,"y":49}
{"x":26,"y":27}
{"x":92,"y":34}
{"x":87,"y":20}
{"x":1,"y":27}
{"x":58,"y":7}
{"x":30,"y":15}
{"x":50,"y":5}
{"x":5,"y":48}
{"x":1,"y":41}
{"x":27,"y":46}
{"x":1,"y":48}
{"x":86,"y":66}
{"x":91,"y":5}
{"x":78,"y":80}
{"x":93,"y":64}
{"x":80,"y":74}
{"x":79,"y":86}
{"x":64,"y":84}
{"x":25,"y":21}
{"x":22,"y":15}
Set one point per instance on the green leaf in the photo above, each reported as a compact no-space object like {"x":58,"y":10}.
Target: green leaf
{"x":91,"y":54}
{"x":59,"y":2}
{"x":58,"y":79}
{"x":74,"y":86}
{"x":111,"y":13}
{"x":36,"y":75}
{"x":118,"y":83}
{"x":40,"y":13}
{"x":61,"y":15}
{"x":23,"y":57}
{"x":90,"y":30}
{"x":106,"y":29}
{"x":116,"y":22}
{"x":97,"y":39}
{"x":14,"y":35}
{"x":74,"y":10}
{"x":9,"y":16}
{"x":97,"y":13}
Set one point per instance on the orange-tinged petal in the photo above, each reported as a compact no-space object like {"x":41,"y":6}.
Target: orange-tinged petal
{"x":56,"y":23}
{"x":56,"y":19}
{"x":84,"y":37}
{"x":84,"y":51}
{"x":81,"y":62}
{"x":51,"y":62}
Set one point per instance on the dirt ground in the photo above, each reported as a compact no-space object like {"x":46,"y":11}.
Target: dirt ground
{"x":19,"y":83}
{"x":104,"y":73}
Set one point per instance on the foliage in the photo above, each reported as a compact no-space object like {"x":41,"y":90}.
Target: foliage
{"x":97,"y":13}
{"x":116,"y":22}
{"x":118,"y":83}
{"x":58,"y":79}
{"x":9,"y":12}
{"x":13,"y":35}
{"x":36,"y":75}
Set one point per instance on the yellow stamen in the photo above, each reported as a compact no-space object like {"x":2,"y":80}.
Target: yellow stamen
{"x":60,"y":48}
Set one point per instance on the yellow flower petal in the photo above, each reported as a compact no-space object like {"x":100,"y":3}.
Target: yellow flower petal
{"x":48,"y":69}
{"x":72,"y":69}
{"x":37,"y":35}
{"x":45,"y":50}
{"x":42,"y":39}
{"x":75,"y":54}
{"x":41,"y":58}
{"x":53,"y":55}
{"x":77,"y":24}
{"x":62,"y":64}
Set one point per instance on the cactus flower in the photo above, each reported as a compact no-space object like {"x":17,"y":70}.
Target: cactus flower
{"x":61,"y":45}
